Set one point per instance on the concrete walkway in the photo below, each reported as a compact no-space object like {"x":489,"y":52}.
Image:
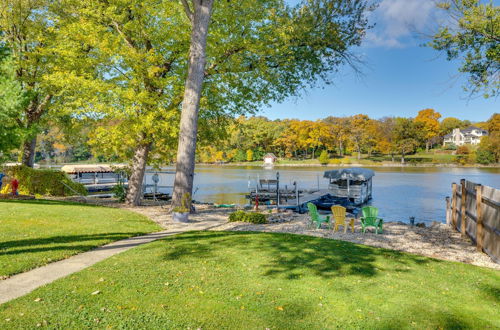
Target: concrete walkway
{"x":21,"y":284}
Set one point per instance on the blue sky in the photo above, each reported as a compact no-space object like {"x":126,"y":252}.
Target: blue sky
{"x":400,"y":77}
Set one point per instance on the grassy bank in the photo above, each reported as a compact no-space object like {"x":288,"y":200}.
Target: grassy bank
{"x":34,"y":233}
{"x":220,"y":280}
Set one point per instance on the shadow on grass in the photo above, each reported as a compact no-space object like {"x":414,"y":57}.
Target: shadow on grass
{"x":59,"y":243}
{"x":293,"y":256}
{"x":437,"y":319}
{"x":46,"y":202}
{"x":493,"y":292}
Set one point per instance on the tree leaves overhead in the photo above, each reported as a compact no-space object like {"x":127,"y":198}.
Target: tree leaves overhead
{"x":12,"y":101}
{"x":473,"y":37}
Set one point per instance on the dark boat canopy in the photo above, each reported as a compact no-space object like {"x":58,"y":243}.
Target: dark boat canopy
{"x":353,"y":173}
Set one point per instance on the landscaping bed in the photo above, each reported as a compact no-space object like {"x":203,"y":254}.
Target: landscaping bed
{"x":241,"y":280}
{"x":16,"y":197}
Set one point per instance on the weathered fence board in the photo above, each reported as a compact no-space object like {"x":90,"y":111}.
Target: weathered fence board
{"x":474,"y":210}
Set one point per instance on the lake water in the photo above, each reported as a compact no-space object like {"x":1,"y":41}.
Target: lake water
{"x":398,"y":192}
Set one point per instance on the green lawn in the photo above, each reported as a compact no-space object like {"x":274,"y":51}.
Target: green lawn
{"x":34,"y":233}
{"x":219,"y":280}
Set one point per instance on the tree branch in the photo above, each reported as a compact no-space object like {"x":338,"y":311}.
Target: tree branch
{"x":129,"y":42}
{"x":187,"y":9}
{"x":224,"y":58}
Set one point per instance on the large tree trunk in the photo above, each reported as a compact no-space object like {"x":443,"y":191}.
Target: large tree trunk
{"x":134,"y":193}
{"x":183,"y":183}
{"x":427,"y":146}
{"x":33,"y":113}
{"x":341,"y":148}
{"x":28,"y":148}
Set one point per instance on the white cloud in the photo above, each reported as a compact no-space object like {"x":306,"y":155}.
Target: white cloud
{"x":397,"y":20}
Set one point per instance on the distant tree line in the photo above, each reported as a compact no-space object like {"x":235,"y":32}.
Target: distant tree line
{"x":251,"y":138}
{"x":246,"y":139}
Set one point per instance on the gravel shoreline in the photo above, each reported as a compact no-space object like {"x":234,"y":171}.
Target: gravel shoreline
{"x":439,"y":241}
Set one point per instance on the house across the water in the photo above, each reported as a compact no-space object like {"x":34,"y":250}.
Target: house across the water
{"x":459,"y":137}
{"x":270,"y":159}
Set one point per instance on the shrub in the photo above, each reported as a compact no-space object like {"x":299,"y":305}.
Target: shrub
{"x":249,"y":155}
{"x":251,"y":217}
{"x":450,"y":147}
{"x":472,"y":158}
{"x":346,"y":161}
{"x":335,"y":161}
{"x":236,"y":216}
{"x":44,"y":182}
{"x":324,"y":157}
{"x":461,"y":159}
{"x":120,"y":192}
{"x":463,"y":150}
{"x":484,"y":156}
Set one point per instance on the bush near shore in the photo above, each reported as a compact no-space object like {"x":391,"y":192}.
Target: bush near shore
{"x":44,"y":182}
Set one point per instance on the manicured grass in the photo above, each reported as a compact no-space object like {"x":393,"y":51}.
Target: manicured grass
{"x":218,"y":280}
{"x":34,"y":233}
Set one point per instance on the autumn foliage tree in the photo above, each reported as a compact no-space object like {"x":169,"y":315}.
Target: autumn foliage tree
{"x":358,"y":131}
{"x":429,"y":120}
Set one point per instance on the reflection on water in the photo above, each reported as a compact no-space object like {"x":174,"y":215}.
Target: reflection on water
{"x":398,"y":192}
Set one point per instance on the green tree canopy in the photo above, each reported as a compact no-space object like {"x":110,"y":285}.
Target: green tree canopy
{"x":473,"y":36}
{"x":28,"y":31}
{"x":12,"y":100}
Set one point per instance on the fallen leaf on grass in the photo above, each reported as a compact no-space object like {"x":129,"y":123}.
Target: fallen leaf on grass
{"x":95,"y":292}
{"x":280,"y":308}
{"x":38,"y":299}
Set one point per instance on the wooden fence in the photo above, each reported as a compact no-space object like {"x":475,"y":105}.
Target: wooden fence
{"x":474,"y":211}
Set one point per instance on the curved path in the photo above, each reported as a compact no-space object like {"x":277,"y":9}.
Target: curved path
{"x":21,"y":284}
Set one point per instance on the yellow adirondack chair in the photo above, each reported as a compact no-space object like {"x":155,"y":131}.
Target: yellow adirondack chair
{"x":339,"y":213}
{"x":5,"y":189}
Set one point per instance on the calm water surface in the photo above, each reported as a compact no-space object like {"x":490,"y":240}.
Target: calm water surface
{"x":398,"y":192}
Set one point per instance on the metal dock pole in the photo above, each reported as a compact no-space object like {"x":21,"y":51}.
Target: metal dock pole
{"x":278,"y":190}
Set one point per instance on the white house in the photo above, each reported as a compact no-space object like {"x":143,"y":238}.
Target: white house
{"x":269,"y":159}
{"x":469,"y":135}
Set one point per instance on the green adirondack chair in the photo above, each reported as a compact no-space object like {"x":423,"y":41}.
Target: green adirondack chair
{"x":315,"y":217}
{"x":370,"y":219}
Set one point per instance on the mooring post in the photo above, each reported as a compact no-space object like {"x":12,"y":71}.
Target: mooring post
{"x":462,"y":211}
{"x":448,"y":215}
{"x":454,"y":205}
{"x":479,"y":218}
{"x":278,"y":190}
{"x":296,"y":192}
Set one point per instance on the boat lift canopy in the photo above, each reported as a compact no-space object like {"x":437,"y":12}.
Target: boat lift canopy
{"x":351,"y":174}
